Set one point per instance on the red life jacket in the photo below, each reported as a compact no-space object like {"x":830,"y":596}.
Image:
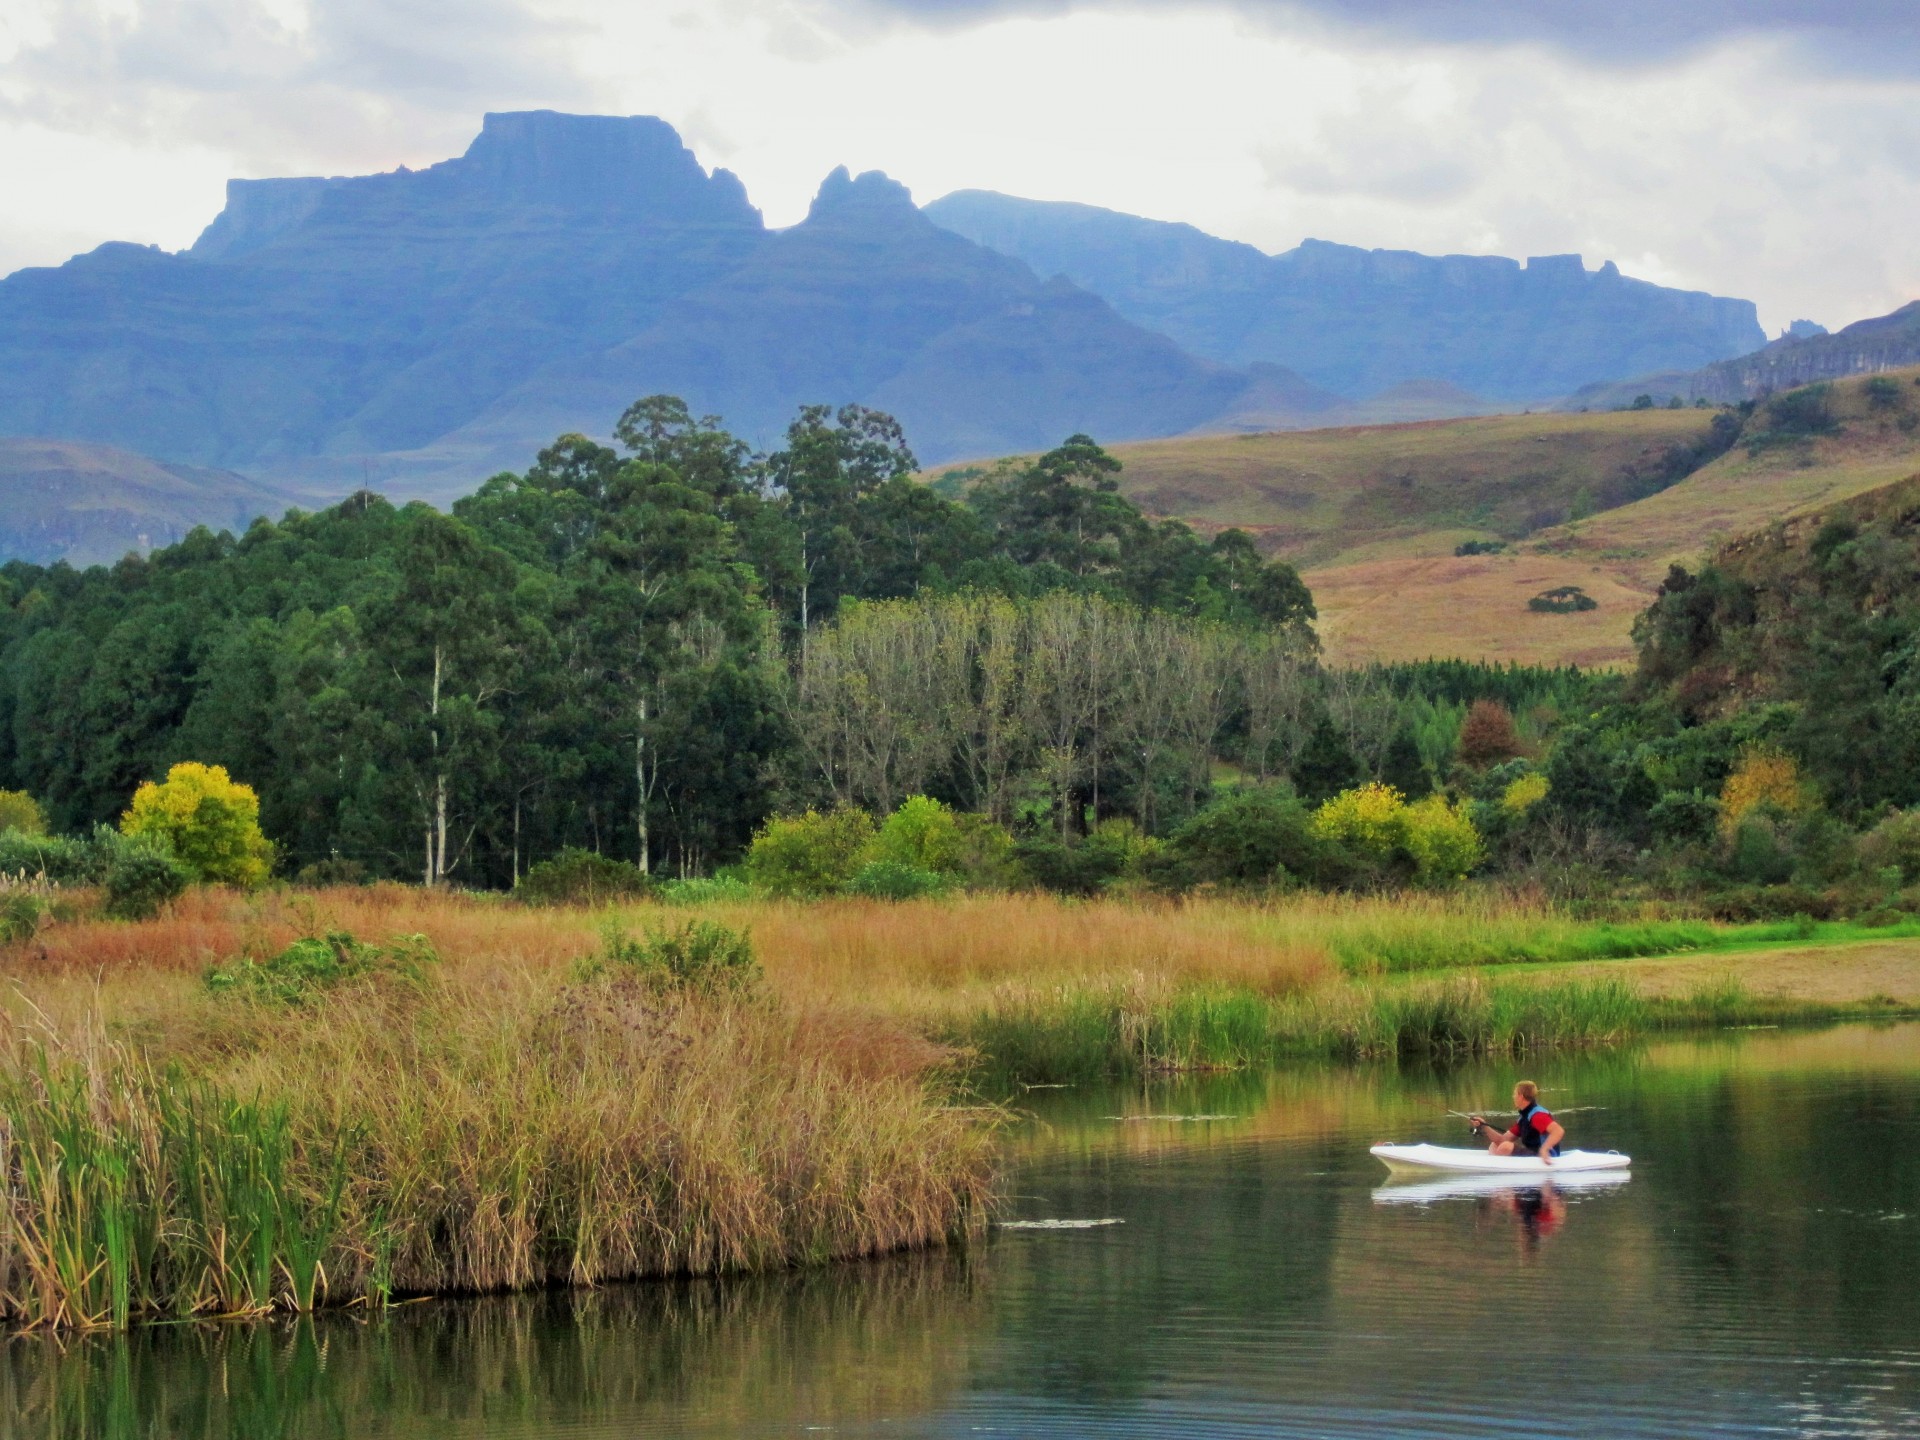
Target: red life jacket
{"x":1530,"y":1130}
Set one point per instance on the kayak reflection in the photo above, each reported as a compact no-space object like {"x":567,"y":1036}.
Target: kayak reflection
{"x":1539,"y":1208}
{"x":1454,"y":1187}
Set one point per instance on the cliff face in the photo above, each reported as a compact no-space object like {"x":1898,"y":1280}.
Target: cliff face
{"x":426,"y":328}
{"x":1803,"y":356}
{"x":1358,"y":322}
{"x":348,"y":316}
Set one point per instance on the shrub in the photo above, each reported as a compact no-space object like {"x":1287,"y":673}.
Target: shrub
{"x":1480,"y":547}
{"x":1250,"y":837}
{"x":1806,"y":411}
{"x":1882,"y":393}
{"x":580,"y":877}
{"x":699,"y":955}
{"x":1764,"y":781}
{"x":893,"y":880}
{"x":1894,"y":844}
{"x":20,"y":813}
{"x":1562,"y":600}
{"x":1370,"y":821}
{"x":810,"y":854}
{"x":1487,"y":735}
{"x":922,"y":834}
{"x":1684,"y":817}
{"x":1067,"y":869}
{"x":209,"y":822}
{"x":334,"y":870}
{"x":319,"y":962}
{"x":1442,"y":839}
{"x":1121,"y":850}
{"x":703,"y":890}
{"x":1758,"y":851}
{"x":142,"y":879}
{"x":23,"y":909}
{"x":61,"y":859}
{"x":1522,"y":794}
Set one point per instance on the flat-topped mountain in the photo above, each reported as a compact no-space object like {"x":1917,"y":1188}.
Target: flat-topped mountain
{"x":1358,"y":322}
{"x":420,"y":330}
{"x":431,"y":327}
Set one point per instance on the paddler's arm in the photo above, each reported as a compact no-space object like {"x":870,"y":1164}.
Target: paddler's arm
{"x":1556,"y":1132}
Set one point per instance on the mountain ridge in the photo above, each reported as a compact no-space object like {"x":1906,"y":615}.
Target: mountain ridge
{"x":1866,"y":347}
{"x":1487,"y":324}
{"x":424,"y":328}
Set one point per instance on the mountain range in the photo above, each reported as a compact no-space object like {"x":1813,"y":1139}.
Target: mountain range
{"x":1357,"y":322}
{"x":422,"y":329}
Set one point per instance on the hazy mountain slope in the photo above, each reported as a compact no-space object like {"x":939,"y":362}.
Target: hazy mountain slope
{"x":91,"y":504}
{"x":372,"y":313}
{"x":1866,"y":347}
{"x":423,"y":329}
{"x":1361,"y":321}
{"x":867,"y":301}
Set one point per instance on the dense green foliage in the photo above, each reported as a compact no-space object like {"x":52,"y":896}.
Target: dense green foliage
{"x":592,"y":654}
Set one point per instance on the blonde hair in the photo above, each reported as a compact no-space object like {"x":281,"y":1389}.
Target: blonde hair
{"x":1527,"y":1091}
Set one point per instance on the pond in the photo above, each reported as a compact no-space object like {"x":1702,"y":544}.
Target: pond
{"x":1758,"y":1274}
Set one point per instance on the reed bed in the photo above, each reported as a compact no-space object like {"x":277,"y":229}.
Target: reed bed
{"x":499,"y":1126}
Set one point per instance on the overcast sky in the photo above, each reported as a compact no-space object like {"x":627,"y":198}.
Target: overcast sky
{"x":1763,"y":148}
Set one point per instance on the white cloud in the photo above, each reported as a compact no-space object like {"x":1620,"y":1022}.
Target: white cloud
{"x":1737,"y":167}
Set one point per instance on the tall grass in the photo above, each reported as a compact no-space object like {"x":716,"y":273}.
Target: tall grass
{"x":1066,"y":1034}
{"x":497,"y":1128}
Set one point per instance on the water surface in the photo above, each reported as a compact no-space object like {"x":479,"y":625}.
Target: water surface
{"x":1759,"y":1274}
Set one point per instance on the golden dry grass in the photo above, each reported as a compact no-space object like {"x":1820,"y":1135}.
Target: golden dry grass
{"x":1412,"y":606}
{"x":1323,"y":497}
{"x":505,"y":1121}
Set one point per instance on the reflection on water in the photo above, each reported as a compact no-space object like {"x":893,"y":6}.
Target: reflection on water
{"x":1756,"y":1275}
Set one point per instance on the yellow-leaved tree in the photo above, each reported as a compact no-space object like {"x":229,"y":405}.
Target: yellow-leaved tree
{"x":1375,"y":822}
{"x":1765,"y":781}
{"x":18,"y":811}
{"x":208,"y":820}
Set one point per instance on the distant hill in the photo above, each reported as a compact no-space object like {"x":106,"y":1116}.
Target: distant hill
{"x":1357,"y":322}
{"x":430,"y":327}
{"x":91,"y":504}
{"x":1374,"y":515}
{"x":1867,"y":347}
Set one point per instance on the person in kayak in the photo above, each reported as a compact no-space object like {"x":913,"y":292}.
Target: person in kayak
{"x":1534,"y":1132}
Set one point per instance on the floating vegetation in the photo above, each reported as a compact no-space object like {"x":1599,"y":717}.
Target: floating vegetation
{"x":1055,"y":1224}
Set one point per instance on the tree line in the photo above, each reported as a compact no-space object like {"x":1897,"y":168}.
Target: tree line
{"x":627,"y":648}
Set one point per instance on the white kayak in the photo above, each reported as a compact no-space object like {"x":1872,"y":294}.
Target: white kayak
{"x":1427,"y":1159}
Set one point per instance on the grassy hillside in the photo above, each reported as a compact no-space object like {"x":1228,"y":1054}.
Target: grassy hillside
{"x":1373,"y":515}
{"x":1335,"y":496}
{"x":91,"y":504}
